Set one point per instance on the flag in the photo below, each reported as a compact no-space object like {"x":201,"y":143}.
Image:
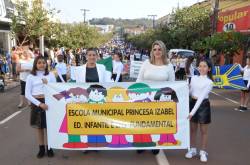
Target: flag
{"x":228,"y":77}
{"x":108,"y":63}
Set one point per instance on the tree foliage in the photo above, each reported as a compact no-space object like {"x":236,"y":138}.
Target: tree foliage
{"x":187,"y":25}
{"x":30,"y":21}
{"x":78,"y":35}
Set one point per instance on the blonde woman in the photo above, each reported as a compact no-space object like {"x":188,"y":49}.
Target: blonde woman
{"x":24,"y":67}
{"x":157,"y":68}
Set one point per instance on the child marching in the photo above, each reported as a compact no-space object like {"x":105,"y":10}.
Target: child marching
{"x":34,"y":92}
{"x":200,"y":112}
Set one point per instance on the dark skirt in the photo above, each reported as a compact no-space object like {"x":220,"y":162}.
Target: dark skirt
{"x":114,"y":77}
{"x":22,"y":84}
{"x":64,"y":76}
{"x":203,"y":114}
{"x":248,"y":89}
{"x":38,"y":116}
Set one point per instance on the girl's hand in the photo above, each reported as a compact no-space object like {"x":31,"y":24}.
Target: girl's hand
{"x":45,"y":81}
{"x":189,"y":117}
{"x":43,"y":106}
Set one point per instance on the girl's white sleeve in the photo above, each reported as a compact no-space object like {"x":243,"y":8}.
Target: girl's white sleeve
{"x":28,"y":92}
{"x":52,"y":77}
{"x":201,"y":97}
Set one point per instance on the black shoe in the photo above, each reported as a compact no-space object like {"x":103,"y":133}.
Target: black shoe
{"x":155,"y":152}
{"x":41,"y":152}
{"x":243,"y":109}
{"x":140,"y":151}
{"x":50,"y":153}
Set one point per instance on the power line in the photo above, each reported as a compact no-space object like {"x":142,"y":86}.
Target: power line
{"x":84,"y":14}
{"x":153,"y":17}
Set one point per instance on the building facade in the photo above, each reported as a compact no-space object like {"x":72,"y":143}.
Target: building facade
{"x":6,"y":7}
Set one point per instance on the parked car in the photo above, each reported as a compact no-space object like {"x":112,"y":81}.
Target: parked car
{"x":182,"y":52}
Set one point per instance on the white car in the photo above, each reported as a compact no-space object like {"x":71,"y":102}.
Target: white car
{"x":182,"y":52}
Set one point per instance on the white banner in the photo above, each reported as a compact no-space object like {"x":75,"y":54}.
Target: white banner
{"x":135,"y":67}
{"x":117,"y":116}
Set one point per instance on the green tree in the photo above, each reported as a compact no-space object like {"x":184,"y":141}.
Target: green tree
{"x":78,"y":35}
{"x":30,"y":21}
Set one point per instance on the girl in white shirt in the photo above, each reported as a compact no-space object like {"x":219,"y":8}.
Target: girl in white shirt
{"x":117,"y":68}
{"x":61,"y":69}
{"x":34,"y":92}
{"x":24,"y":68}
{"x":245,"y":93}
{"x":200,"y":113}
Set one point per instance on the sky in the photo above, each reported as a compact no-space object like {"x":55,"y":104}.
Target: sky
{"x":125,"y":9}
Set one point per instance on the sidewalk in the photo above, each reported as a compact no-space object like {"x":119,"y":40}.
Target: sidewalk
{"x":10,"y":83}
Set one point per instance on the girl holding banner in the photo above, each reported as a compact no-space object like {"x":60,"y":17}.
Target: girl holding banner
{"x":244,"y":93}
{"x":34,"y":92}
{"x":157,"y":68}
{"x":200,"y":113}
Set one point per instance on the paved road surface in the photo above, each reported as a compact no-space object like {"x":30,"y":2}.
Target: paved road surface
{"x":229,"y":137}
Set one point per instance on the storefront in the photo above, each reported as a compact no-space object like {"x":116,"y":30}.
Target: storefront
{"x":6,"y":7}
{"x":235,"y":20}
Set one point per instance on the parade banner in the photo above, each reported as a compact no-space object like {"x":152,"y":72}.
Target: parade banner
{"x":234,"y":20}
{"x":135,"y":67}
{"x":228,"y":77}
{"x":117,"y":116}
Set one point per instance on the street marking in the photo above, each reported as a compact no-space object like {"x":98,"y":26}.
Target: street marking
{"x":10,"y":117}
{"x":235,"y":102}
{"x":161,"y":158}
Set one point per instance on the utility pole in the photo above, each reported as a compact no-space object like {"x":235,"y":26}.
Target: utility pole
{"x":153,"y":17}
{"x":84,"y":14}
{"x":215,"y":10}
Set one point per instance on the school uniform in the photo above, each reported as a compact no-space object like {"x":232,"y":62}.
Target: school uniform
{"x":24,"y":64}
{"x":35,"y":86}
{"x":117,"y":71}
{"x":61,"y":69}
{"x":200,"y":87}
{"x":246,"y":77}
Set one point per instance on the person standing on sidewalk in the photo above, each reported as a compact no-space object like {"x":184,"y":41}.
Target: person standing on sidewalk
{"x":14,"y":61}
{"x":24,"y":68}
{"x":34,"y":92}
{"x":200,"y":112}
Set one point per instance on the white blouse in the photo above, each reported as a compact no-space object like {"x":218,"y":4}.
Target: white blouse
{"x":246,"y":73}
{"x":117,"y":69}
{"x":200,"y":87}
{"x":61,"y":69}
{"x":25,"y":64}
{"x":35,"y":86}
{"x":150,"y":72}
